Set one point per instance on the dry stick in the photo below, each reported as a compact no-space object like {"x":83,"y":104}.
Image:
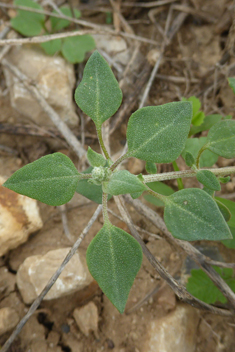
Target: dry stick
{"x":196,"y":255}
{"x":55,"y":118}
{"x":149,"y":4}
{"x":42,"y":39}
{"x":179,"y":290}
{"x":51,"y":282}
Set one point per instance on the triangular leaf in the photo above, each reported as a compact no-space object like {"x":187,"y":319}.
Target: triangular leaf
{"x":98,"y":95}
{"x":51,"y":179}
{"x":221,"y":139}
{"x":95,"y":159}
{"x":159,"y":133}
{"x":123,"y":182}
{"x":114,"y":258}
{"x":75,"y":48}
{"x":191,"y":214}
{"x":208,"y":179}
{"x":58,"y":23}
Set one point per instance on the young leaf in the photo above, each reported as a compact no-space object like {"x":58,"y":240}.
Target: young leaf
{"x":122,"y":182}
{"x":231,"y":81}
{"x":201,"y":286}
{"x":193,"y":145}
{"x":208,"y":122}
{"x":198,"y":116}
{"x":158,"y":187}
{"x":58,"y":23}
{"x":114,"y":258}
{"x":224,"y":179}
{"x":221,"y":139}
{"x":98,"y":95}
{"x":51,"y":179}
{"x":189,"y":159}
{"x":27,"y":27}
{"x":224,"y":210}
{"x":208,"y":179}
{"x":191,"y":214}
{"x":150,"y":167}
{"x":159,"y":133}
{"x":95,"y":159}
{"x":52,"y":47}
{"x":75,"y":48}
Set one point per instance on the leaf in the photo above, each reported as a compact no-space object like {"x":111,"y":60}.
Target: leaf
{"x":114,"y":258}
{"x":51,"y":179}
{"x":150,"y":167}
{"x":193,"y":145}
{"x":221,"y":139}
{"x":224,"y":210}
{"x":95,"y":159}
{"x":209,"y":191}
{"x":75,"y":48}
{"x":27,"y":27}
{"x":191,"y":214}
{"x":58,"y":23}
{"x":159,"y":133}
{"x":98,"y":95}
{"x":231,"y":81}
{"x":123,"y":182}
{"x":52,"y":47}
{"x":136,"y":195}
{"x":230,"y":243}
{"x":38,"y":17}
{"x":224,"y":179}
{"x":231,"y":207}
{"x":158,"y":187}
{"x":189,"y":159}
{"x":208,"y":179}
{"x":208,"y":122}
{"x":201,"y":286}
{"x":198,"y":116}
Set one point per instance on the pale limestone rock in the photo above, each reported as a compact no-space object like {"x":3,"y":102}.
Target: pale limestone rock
{"x":9,"y":318}
{"x":174,"y":332}
{"x":36,"y":271}
{"x":19,"y":217}
{"x":54,"y":77}
{"x":109,"y":43}
{"x":87,"y":318}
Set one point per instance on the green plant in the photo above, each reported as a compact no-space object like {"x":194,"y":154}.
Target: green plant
{"x":156,"y":134}
{"x":31,"y":23}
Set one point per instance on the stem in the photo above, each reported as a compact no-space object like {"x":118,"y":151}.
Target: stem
{"x":85,"y":176}
{"x":105,"y":208}
{"x":204,"y":147}
{"x":119,"y":160}
{"x":102,"y":146}
{"x":156,"y":195}
{"x":179,"y":180}
{"x":223,"y":171}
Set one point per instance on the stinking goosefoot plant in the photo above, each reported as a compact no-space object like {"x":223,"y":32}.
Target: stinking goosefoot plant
{"x":156,"y":134}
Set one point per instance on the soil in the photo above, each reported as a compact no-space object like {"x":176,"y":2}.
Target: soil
{"x":194,"y":64}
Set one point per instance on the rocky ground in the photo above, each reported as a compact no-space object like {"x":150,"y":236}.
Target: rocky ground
{"x":34,"y":238}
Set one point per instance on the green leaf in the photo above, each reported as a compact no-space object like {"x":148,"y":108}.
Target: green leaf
{"x":75,"y":48}
{"x":231,"y":207}
{"x":51,"y":179}
{"x":230,"y":243}
{"x":224,"y":210}
{"x":198,"y":116}
{"x":114,"y":258}
{"x":201,"y":286}
{"x":209,"y":191}
{"x":189,"y":159}
{"x":224,"y":179}
{"x":221,"y":139}
{"x":27,"y":27}
{"x":158,"y":187}
{"x":208,"y":179}
{"x":159,"y":133}
{"x":90,"y":190}
{"x":193,"y":145}
{"x":136,"y":195}
{"x":52,"y":47}
{"x":208,"y":122}
{"x":123,"y":182}
{"x":198,"y":119}
{"x":191,"y":214}
{"x":28,"y":14}
{"x":95,"y":159}
{"x":98,"y":95}
{"x":58,"y":23}
{"x":231,"y":81}
{"x":150,"y":167}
